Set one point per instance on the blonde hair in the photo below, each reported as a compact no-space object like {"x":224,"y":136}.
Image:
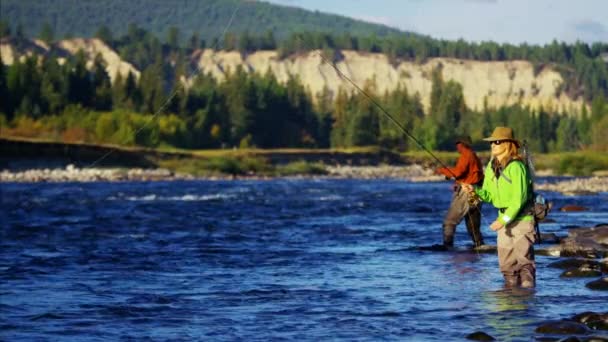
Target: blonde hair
{"x":512,"y":153}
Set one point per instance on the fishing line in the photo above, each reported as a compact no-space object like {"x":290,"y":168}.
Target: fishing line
{"x":172,"y":95}
{"x":384,"y":111}
{"x":341,"y":75}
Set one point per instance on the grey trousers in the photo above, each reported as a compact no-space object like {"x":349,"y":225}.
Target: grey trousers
{"x":515,"y":244}
{"x":459,"y":209}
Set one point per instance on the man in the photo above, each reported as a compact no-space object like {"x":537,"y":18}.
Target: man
{"x":468,"y":170}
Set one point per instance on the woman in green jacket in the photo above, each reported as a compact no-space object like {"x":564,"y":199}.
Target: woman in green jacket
{"x":508,"y":186}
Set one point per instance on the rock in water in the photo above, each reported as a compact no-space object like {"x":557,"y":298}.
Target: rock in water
{"x":595,"y":321}
{"x":573,"y":207}
{"x":480,"y":336}
{"x":600,"y":284}
{"x":572,"y":263}
{"x":583,"y":242}
{"x":562,"y":328}
{"x":584,"y":271}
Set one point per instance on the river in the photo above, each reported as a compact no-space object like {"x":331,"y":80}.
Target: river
{"x":283,"y":259}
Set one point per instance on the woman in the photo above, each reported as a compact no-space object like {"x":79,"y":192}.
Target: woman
{"x":508,"y":186}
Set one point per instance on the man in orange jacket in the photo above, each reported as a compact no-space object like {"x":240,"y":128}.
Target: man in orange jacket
{"x":468,"y":170}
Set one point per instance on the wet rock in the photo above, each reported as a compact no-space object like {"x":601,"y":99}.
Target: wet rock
{"x":584,"y":242}
{"x":573,"y":207}
{"x":587,"y":316}
{"x":480,"y":336}
{"x":595,"y":339}
{"x":572,"y":263}
{"x":559,"y":251}
{"x":435,"y":248}
{"x":485,"y":249}
{"x":600,"y":284}
{"x":584,"y":271}
{"x":553,"y":251}
{"x":550,"y":237}
{"x":570,"y":339}
{"x":595,"y":321}
{"x":598,"y":325}
{"x":562,"y":328}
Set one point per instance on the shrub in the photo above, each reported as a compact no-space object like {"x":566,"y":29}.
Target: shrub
{"x":581,"y":165}
{"x":302,"y":168}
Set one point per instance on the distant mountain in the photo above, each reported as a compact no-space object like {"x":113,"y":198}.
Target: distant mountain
{"x":208,"y":18}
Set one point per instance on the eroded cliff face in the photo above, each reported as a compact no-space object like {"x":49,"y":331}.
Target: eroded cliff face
{"x":68,"y":47}
{"x":495,"y":83}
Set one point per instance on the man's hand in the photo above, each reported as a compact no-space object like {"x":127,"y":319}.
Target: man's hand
{"x":496,"y":226}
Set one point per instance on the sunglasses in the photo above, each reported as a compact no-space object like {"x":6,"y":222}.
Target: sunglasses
{"x":497,"y":142}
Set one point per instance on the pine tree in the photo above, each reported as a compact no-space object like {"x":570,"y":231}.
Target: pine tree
{"x":47,"y":34}
{"x":584,"y":126}
{"x":102,"y":85}
{"x":4,"y":107}
{"x":80,"y":88}
{"x":566,"y":136}
{"x":340,"y":117}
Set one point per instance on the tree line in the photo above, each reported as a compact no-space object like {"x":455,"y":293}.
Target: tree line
{"x":69,"y":102}
{"x":584,"y":67}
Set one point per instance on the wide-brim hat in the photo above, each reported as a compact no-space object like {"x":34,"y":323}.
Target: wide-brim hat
{"x":503,"y":133}
{"x":465,"y":140}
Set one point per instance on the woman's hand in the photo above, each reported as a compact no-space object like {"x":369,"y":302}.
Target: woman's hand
{"x":496,"y":226}
{"x":467,"y":187}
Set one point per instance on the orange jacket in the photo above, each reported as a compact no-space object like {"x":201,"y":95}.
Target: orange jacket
{"x":468,"y":168}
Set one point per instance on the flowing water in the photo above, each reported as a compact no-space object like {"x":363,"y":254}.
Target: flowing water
{"x":262,"y":260}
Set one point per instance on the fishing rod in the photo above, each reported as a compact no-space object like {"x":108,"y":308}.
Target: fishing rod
{"x":472,"y":198}
{"x":385,"y":112}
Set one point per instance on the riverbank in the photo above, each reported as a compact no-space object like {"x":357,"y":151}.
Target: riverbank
{"x":75,"y":174}
{"x":414,"y":172}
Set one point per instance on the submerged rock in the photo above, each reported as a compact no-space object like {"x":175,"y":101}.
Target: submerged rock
{"x":595,"y":321}
{"x":582,"y":242}
{"x":600,"y":284}
{"x":582,"y":272}
{"x":485,"y":249}
{"x":572,"y":263}
{"x":562,"y":328}
{"x":550,"y":238}
{"x":573,"y":207}
{"x":480,"y":336}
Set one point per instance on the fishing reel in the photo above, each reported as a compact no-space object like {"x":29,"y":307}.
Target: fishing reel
{"x":474,"y":200}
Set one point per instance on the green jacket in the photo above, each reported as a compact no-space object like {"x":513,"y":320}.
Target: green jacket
{"x":509,"y":192}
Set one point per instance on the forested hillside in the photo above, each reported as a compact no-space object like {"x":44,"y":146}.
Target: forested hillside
{"x":138,"y":28}
{"x":55,"y":92}
{"x":205,"y":18}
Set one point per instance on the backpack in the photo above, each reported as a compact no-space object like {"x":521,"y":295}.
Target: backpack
{"x":540,"y":207}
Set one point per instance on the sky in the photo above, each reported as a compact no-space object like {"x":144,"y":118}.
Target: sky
{"x":535,"y":22}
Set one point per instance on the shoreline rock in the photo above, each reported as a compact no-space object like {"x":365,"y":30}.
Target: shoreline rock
{"x":589,"y":242}
{"x":416,"y":173}
{"x":413,"y":173}
{"x":576,"y":186}
{"x":73,"y":174}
